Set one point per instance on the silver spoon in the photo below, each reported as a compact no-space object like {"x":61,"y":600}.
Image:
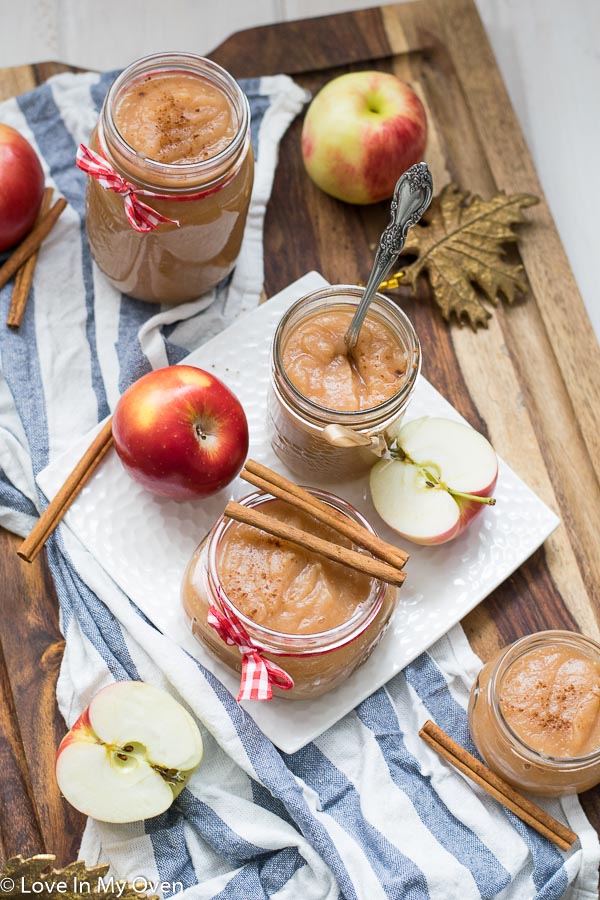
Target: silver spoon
{"x":412,"y":196}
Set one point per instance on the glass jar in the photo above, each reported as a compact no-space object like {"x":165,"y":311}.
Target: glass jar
{"x":209,"y":198}
{"x":317,"y":662}
{"x":502,"y":748}
{"x":298,"y":424}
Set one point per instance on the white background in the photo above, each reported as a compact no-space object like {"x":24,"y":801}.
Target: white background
{"x":548,"y":52}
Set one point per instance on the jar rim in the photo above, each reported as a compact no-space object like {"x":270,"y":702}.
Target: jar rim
{"x":289,"y":644}
{"x":350,"y":295}
{"x":516,"y":651}
{"x":178,"y":61}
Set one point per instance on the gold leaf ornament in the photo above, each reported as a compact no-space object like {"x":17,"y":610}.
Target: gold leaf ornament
{"x":461,"y":247}
{"x":36,"y":877}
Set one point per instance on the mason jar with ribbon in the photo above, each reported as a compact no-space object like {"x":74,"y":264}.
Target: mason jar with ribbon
{"x":170,"y":170}
{"x":273,"y":658}
{"x":312,"y":437}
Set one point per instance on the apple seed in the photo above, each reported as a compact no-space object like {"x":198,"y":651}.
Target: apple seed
{"x":172,"y":776}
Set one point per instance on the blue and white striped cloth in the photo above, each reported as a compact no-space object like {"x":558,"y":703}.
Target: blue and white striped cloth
{"x":366,"y":811}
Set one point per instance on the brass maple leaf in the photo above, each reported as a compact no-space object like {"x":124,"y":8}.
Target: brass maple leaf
{"x":21,"y":876}
{"x":461,"y":247}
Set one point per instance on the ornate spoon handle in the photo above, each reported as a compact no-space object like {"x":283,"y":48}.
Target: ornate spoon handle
{"x":412,"y":196}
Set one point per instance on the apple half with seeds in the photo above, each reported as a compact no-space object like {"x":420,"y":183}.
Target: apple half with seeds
{"x":440,"y":476}
{"x":129,"y":754}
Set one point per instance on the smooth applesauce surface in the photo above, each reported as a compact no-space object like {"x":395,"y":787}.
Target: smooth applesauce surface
{"x":316,"y":361}
{"x":175,"y":117}
{"x":550,"y":697}
{"x":283,"y":587}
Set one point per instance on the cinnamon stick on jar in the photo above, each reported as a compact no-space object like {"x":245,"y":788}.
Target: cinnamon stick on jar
{"x":361,"y":562}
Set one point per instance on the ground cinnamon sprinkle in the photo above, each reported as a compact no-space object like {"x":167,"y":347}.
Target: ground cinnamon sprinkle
{"x":176,"y":118}
{"x":551,"y":700}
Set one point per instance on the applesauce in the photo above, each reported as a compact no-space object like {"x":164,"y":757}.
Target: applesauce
{"x":176,"y":127}
{"x":329,"y":416}
{"x":175,"y":117}
{"x":534,"y":710}
{"x":317,"y":619}
{"x":316,"y":361}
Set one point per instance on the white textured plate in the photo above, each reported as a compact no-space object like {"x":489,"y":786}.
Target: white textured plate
{"x":145,"y":542}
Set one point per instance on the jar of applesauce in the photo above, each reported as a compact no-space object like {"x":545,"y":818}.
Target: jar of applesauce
{"x":171,"y":180}
{"x":534,"y":713}
{"x":316,"y":619}
{"x":330,"y":415}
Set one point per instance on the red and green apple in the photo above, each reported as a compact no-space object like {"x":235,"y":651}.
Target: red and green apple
{"x":360,"y":133}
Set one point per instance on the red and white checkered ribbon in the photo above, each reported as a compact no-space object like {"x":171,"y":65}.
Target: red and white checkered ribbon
{"x":258,"y":673}
{"x":139,"y":215}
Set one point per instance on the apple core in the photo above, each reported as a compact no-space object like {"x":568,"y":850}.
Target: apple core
{"x":436,"y":479}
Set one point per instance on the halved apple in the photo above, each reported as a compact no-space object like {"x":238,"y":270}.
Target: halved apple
{"x":129,"y":754}
{"x":440,"y":476}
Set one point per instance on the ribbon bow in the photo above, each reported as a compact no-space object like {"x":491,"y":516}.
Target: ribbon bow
{"x":140,"y":216}
{"x":258,"y":673}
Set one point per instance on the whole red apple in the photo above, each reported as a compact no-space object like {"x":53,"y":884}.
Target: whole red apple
{"x":21,"y":187}
{"x":361,"y":132}
{"x":181,"y":433}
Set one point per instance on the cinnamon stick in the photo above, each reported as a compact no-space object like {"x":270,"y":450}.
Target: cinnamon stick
{"x":24,"y":277}
{"x":56,"y":509}
{"x":375,"y":568}
{"x":271,"y":482}
{"x":31,"y":243}
{"x":496,"y":787}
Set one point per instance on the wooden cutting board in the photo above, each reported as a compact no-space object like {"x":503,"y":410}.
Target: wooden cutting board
{"x":531,"y":381}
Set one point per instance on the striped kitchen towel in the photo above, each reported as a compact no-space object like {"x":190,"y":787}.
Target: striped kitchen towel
{"x":364,"y":812}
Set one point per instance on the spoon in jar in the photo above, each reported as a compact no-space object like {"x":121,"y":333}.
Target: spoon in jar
{"x":412,"y":196}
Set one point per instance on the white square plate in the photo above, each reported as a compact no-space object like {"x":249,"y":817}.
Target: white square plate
{"x":144,"y":542}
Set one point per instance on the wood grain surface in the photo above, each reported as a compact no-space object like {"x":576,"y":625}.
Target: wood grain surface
{"x":530,"y":382}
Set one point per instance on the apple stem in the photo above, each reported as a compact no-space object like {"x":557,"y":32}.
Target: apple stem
{"x":476,"y":498}
{"x":398,"y":452}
